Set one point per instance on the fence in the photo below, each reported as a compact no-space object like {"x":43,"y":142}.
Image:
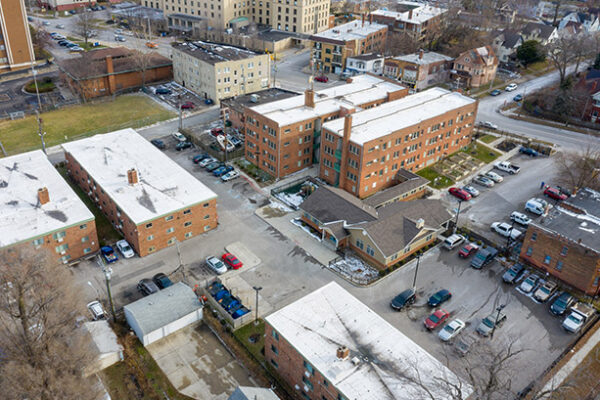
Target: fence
{"x":275,"y":192}
{"x":541,"y":147}
{"x":209,"y":147}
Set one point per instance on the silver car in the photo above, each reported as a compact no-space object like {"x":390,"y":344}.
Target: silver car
{"x":487,"y":324}
{"x":471,"y":190}
{"x":216,"y":265}
{"x":494,"y":176}
{"x":483,"y":181}
{"x":451,"y":330}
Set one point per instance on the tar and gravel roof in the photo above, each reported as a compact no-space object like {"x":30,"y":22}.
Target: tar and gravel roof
{"x":22,"y":217}
{"x":386,"y":359}
{"x":395,"y":115}
{"x":363,"y":89}
{"x":420,"y":12}
{"x":213,"y":53}
{"x":164,"y":187}
{"x":350,"y":31}
{"x":426,"y":58}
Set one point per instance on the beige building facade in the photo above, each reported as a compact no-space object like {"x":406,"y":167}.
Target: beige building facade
{"x":16,"y":50}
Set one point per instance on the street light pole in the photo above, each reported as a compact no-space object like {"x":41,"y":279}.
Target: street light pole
{"x":107,"y":275}
{"x":498,"y":309}
{"x":457,"y":213}
{"x":509,"y":235}
{"x":416,"y":272}
{"x":257,"y":289}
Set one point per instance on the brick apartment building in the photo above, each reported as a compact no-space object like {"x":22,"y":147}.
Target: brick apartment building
{"x":147,"y":197}
{"x":419,"y":70}
{"x":65,"y":5}
{"x":16,"y":50}
{"x":565,"y":243}
{"x":411,"y":18}
{"x":40,"y":211}
{"x":330,"y":346}
{"x":105,"y":72}
{"x":475,"y":67}
{"x":363,"y":152}
{"x":283,"y":136}
{"x":332,"y":47}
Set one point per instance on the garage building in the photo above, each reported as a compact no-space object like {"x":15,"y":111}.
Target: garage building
{"x":160,"y":314}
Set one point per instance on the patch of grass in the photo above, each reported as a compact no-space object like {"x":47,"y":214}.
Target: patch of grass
{"x":481,"y":152}
{"x":81,"y":120}
{"x":437,"y":181}
{"x":43,"y":86}
{"x":89,"y":45}
{"x":537,"y":68}
{"x":488,"y":138}
{"x":253,"y":338}
{"x":106,"y":233}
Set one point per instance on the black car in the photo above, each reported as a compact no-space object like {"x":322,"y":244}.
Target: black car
{"x":200,"y":157}
{"x":211,"y":167}
{"x":162,"y":90}
{"x":161,"y":280}
{"x":404,"y":299}
{"x":484,"y":257}
{"x":513,"y":273}
{"x":147,"y":287}
{"x":183,"y":145}
{"x":562,"y":303}
{"x":439,"y":297}
{"x":158,"y":143}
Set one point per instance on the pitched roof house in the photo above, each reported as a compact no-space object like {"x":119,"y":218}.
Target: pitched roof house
{"x":541,"y":32}
{"x":584,"y":21}
{"x":475,"y":67}
{"x":505,"y":44}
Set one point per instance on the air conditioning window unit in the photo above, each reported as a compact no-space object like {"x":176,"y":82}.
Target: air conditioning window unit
{"x":60,"y":239}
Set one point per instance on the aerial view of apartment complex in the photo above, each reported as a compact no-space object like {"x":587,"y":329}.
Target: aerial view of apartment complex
{"x":414,"y":19}
{"x":16,"y":50}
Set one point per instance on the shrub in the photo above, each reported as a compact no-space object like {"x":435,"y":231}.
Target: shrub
{"x":382,"y":272}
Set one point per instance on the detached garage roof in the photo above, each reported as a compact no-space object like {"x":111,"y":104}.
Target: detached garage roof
{"x":162,"y":308}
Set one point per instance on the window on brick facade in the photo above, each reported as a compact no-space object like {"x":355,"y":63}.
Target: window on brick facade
{"x":151,"y":249}
{"x":85,"y":239}
{"x":307,"y":383}
{"x":188,"y":234}
{"x":275,"y":335}
{"x":206,"y":228}
{"x":309,"y":368}
{"x":59,"y":235}
{"x":83,"y":226}
{"x":170,"y":230}
{"x":188,"y":223}
{"x":564,"y":251}
{"x":169,"y":218}
{"x":547,"y":259}
{"x":529,"y":251}
{"x":274,"y":363}
{"x":274,"y":349}
{"x":87,"y":250}
{"x":171,"y":241}
{"x":559,"y":265}
{"x":38,"y":242}
{"x":205,"y":204}
{"x":61,"y":248}
{"x":149,"y":225}
{"x":187,"y":212}
{"x":596,"y":281}
{"x":151,"y":237}
{"x":533,"y":236}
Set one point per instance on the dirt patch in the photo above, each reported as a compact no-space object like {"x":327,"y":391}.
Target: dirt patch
{"x":506,"y":146}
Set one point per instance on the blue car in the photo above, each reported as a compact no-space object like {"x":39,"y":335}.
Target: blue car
{"x":222,"y":170}
{"x":495,"y":92}
{"x":518,"y":97}
{"x":109,"y":254}
{"x":528,"y":151}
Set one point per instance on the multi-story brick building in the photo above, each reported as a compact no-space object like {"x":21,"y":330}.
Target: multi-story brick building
{"x":330,"y":346}
{"x":411,"y":18}
{"x":16,"y":50}
{"x":219,"y":72}
{"x":40,"y":211}
{"x":65,"y":5}
{"x":332,"y":47}
{"x":283,"y":136}
{"x":565,"y":243}
{"x":419,"y":70}
{"x":362,"y":152}
{"x":147,"y":197}
{"x":475,"y":67}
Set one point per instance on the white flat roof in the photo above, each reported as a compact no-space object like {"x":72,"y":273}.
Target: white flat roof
{"x":164,"y":187}
{"x":428,"y":58}
{"x":330,"y":317}
{"x":421,"y":13}
{"x":390,"y":117}
{"x":362,"y":89}
{"x":350,"y":31}
{"x":21,"y":215}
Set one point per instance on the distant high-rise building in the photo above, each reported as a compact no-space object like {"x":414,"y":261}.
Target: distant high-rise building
{"x":16,"y":50}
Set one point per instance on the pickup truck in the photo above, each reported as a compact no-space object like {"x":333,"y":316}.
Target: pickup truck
{"x":580,"y":314}
{"x":504,"y":229}
{"x":507,"y":166}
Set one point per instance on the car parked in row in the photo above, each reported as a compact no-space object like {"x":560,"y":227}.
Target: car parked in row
{"x":529,"y":283}
{"x":459,"y":193}
{"x":199,"y":157}
{"x":109,"y":254}
{"x":178,"y":136}
{"x":216,"y":265}
{"x":183,"y":145}
{"x":506,"y":230}
{"x":125,"y":249}
{"x":488,"y":124}
{"x":207,"y":161}
{"x":232,"y":261}
{"x":535,"y":206}
{"x":528,"y":151}
{"x":468,"y":249}
{"x":562,"y":303}
{"x":453,"y":241}
{"x":161,"y":280}
{"x":471,"y":190}
{"x":230,"y":175}
{"x":436,"y":319}
{"x":511,"y":87}
{"x":212,"y":166}
{"x":439,"y":297}
{"x":544,"y":292}
{"x":495,"y":92}
{"x":520,"y":218}
{"x":483,"y":181}
{"x":158,"y":144}
{"x":452,"y":329}
{"x":222,"y":170}
{"x":555,"y":194}
{"x":513,"y":273}
{"x":493,"y":176}
{"x":404,"y":299}
{"x":487,"y":325}
{"x":484,"y":257}
{"x":147,"y":287}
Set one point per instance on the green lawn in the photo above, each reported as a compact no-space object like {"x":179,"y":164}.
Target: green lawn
{"x":78,"y":121}
{"x":257,"y":333}
{"x":481,"y":152}
{"x":488,"y":138}
{"x":436,"y":180}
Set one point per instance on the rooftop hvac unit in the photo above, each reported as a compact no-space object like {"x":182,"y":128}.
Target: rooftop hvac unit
{"x":254,"y":98}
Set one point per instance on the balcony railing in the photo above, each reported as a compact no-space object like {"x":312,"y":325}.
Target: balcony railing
{"x":338,"y":154}
{"x":336,"y":167}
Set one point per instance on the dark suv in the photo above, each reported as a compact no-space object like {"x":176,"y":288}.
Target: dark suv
{"x":161,"y":280}
{"x":562,"y":303}
{"x":513,"y":273}
{"x":147,"y":287}
{"x":404,"y":299}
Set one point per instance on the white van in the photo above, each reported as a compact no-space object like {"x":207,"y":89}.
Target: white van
{"x":534,"y":207}
{"x":453,"y":241}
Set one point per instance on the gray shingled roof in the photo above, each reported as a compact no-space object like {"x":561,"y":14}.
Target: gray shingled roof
{"x":253,"y":393}
{"x":545,"y":30}
{"x":328,"y":204}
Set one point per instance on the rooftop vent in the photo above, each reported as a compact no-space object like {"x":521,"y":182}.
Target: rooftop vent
{"x":420,"y":223}
{"x":343,"y":352}
{"x":355,"y":360}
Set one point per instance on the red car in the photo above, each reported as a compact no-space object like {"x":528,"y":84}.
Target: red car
{"x":188,"y":105}
{"x":555,"y":194}
{"x":232,"y":261}
{"x":467,"y":250}
{"x":460,"y":193}
{"x":217,"y":131}
{"x":322,"y":78}
{"x":436,"y":319}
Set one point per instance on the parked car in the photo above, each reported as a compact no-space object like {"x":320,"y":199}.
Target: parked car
{"x":487,"y":324}
{"x":119,"y":38}
{"x":436,"y":319}
{"x":322,"y":78}
{"x":151,"y":45}
{"x":147,"y":287}
{"x":555,"y":194}
{"x":483,"y":181}
{"x":222,"y":170}
{"x":484,"y":257}
{"x":230,"y":175}
{"x":545,"y":291}
{"x":96,"y":310}
{"x":580,"y":314}
{"x":518,"y":97}
{"x":439,"y":297}
{"x":507,"y":166}
{"x":471,"y":190}
{"x":520,"y":218}
{"x":158,"y":143}
{"x":451,"y":330}
{"x":199,"y":157}
{"x":214,"y":132}
{"x":468,"y":249}
{"x":60,"y":26}
{"x":404,"y":299}
{"x":125,"y":249}
{"x":162,"y":90}
{"x":513,"y":273}
{"x":216,"y":265}
{"x":211,"y":167}
{"x":232,"y":261}
{"x":535,"y":207}
{"x":562,"y":303}
{"x":529,"y":283}
{"x":511,"y":87}
{"x":495,"y":92}
{"x":207,"y":161}
{"x":183,"y":145}
{"x":528,"y":151}
{"x":488,"y":124}
{"x":178,"y":136}
{"x":76,"y":49}
{"x":234,"y":140}
{"x":459,"y":193}
{"x":46,"y":23}
{"x":453,"y":241}
{"x":109,"y":254}
{"x":506,"y":230}
{"x":188,"y":105}
{"x":161,"y":280}
{"x":494,"y":176}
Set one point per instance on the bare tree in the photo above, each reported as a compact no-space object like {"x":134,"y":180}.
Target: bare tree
{"x":565,"y":50}
{"x":84,"y":22}
{"x":578,"y":170}
{"x":144,"y":51}
{"x":43,"y":355}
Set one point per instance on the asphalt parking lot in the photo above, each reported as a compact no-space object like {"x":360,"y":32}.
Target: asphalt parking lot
{"x":178,"y":94}
{"x":13,"y":99}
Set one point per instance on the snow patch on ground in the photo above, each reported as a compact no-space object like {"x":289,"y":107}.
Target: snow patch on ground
{"x":306,"y":229}
{"x":292,"y":199}
{"x":355,"y":269}
{"x":278,"y":206}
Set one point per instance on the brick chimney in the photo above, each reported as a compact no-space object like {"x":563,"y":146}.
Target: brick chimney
{"x":410,"y":14}
{"x":132,"y":176}
{"x":421,"y":52}
{"x":43,"y":195}
{"x":363,"y":20}
{"x":309,"y":98}
{"x":345,"y":143}
{"x":110,"y":70}
{"x":343,"y":352}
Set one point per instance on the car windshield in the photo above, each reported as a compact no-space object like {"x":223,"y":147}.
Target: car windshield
{"x":480,"y":256}
{"x":560,"y":303}
{"x":574,"y":318}
{"x":449,"y":329}
{"x":218,"y":264}
{"x":545,"y":290}
{"x":530,"y":281}
{"x":488,"y":322}
{"x":125,"y":247}
{"x":434,"y":318}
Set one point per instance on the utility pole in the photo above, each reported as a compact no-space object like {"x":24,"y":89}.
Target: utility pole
{"x":257,"y":289}
{"x":499,"y":309}
{"x":226,"y":141}
{"x":457,"y":213}
{"x":2,"y":148}
{"x":180,"y":113}
{"x":41,"y":130}
{"x":416,"y":272}
{"x":107,"y":275}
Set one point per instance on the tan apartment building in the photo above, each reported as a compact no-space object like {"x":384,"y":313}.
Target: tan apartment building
{"x":283,"y":136}
{"x":65,"y":5}
{"x":40,"y":211}
{"x":412,"y":18}
{"x":475,"y":67}
{"x":218,"y":72}
{"x":362,"y":152}
{"x":147,"y":197}
{"x":301,"y":16}
{"x":16,"y":50}
{"x":332,"y":47}
{"x":419,"y":70}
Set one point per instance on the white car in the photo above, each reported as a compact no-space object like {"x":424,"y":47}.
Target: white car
{"x":471,"y":190}
{"x":230,"y":175}
{"x":179,"y":137}
{"x":125,"y":249}
{"x":529,"y":283}
{"x":488,"y":124}
{"x":494,"y":176}
{"x":207,"y":161}
{"x":216,"y":265}
{"x":504,"y":229}
{"x":511,"y":87}
{"x":96,"y":310}
{"x":520,"y":218}
{"x":451,"y":330}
